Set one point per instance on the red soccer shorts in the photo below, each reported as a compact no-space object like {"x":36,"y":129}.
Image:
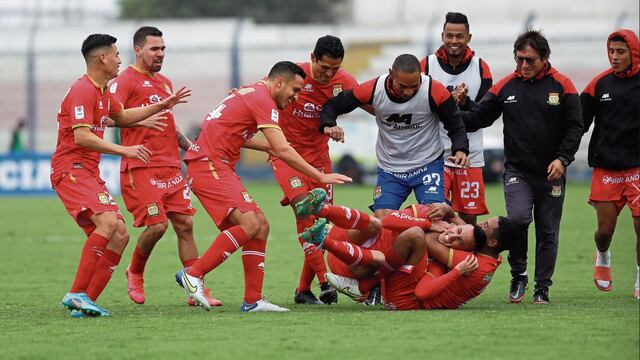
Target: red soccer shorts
{"x":151,"y":193}
{"x":465,"y":189}
{"x":294,"y":183}
{"x":83,"y":195}
{"x":618,"y":186}
{"x":398,"y":288}
{"x":219,"y":190}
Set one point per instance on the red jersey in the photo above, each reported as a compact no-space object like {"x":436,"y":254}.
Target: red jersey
{"x":235,"y":120}
{"x":301,"y":120}
{"x":84,"y":105}
{"x":463,"y":288}
{"x":135,"y":88}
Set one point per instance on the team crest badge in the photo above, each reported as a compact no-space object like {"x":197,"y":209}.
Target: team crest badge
{"x":152,"y":209}
{"x":556,"y":190}
{"x":295,"y":182}
{"x":337,"y":89}
{"x":554,"y":99}
{"x":104,"y":198}
{"x":377,"y":191}
{"x":247,"y":197}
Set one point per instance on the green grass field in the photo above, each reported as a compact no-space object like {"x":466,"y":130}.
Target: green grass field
{"x":40,"y":246}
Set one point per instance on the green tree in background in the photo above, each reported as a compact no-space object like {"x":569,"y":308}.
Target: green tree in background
{"x":262,"y":11}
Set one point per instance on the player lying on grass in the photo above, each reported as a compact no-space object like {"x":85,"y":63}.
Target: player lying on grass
{"x":395,"y":249}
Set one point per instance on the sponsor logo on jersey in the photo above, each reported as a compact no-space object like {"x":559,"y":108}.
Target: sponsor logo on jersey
{"x":275,"y":115}
{"x":556,"y":190}
{"x":554,"y":99}
{"x":377,"y":192}
{"x":152,"y":209}
{"x":308,"y":88}
{"x":295,"y":182}
{"x":512,"y":180}
{"x":511,"y":99}
{"x":79,"y":111}
{"x":432,"y":190}
{"x":113,"y":88}
{"x":104,"y":198}
{"x":337,"y":89}
{"x":154,"y":99}
{"x":247,"y":197}
{"x":146,"y":83}
{"x":311,"y":107}
{"x":100,"y":105}
{"x":606,"y":97}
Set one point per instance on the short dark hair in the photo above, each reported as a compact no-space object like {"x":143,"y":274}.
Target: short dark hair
{"x":96,"y":41}
{"x":406,"y":63}
{"x":480,"y":237}
{"x":505,"y":234}
{"x":330,"y":46}
{"x":536,"y":40}
{"x":286,"y":69}
{"x":618,"y":38}
{"x":140,"y":36}
{"x":456,"y":18}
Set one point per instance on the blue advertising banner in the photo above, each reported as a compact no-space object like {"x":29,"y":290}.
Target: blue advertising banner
{"x":28,"y":174}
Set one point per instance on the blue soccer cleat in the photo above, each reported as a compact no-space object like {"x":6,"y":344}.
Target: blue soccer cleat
{"x":316,"y":233}
{"x":81,"y":302}
{"x":311,"y":204}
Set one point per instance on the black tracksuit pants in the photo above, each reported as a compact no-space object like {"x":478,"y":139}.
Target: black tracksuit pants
{"x":524,"y":194}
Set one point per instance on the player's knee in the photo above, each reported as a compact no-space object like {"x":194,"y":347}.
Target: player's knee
{"x":182,"y":223}
{"x":251,"y":225}
{"x":604,"y":233}
{"x":106,"y":223}
{"x":120,"y":238}
{"x":263,"y":233}
{"x":157,"y":230}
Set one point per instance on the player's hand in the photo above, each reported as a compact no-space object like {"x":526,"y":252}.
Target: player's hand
{"x":459,"y":94}
{"x":154,"y":121}
{"x":335,"y":133}
{"x":439,"y":226}
{"x":468,"y":265}
{"x":176,"y":98}
{"x":137,"y":152}
{"x":335,"y":179}
{"x":555,"y":170}
{"x":438,"y":211}
{"x":460,"y":159}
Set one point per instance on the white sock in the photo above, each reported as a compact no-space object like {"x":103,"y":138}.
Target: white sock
{"x":603,"y":258}
{"x":638,"y":277}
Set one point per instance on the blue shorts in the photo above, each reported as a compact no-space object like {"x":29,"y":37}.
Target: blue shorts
{"x":392,"y":189}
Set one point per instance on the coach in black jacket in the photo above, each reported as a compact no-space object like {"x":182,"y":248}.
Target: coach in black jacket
{"x":612,"y":98}
{"x":542,"y":131}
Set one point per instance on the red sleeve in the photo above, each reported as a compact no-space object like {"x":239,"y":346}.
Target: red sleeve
{"x":495,"y":89}
{"x":364,"y":92}
{"x":423,"y":65}
{"x":349,"y":82}
{"x":486,"y":72}
{"x":591,"y":86}
{"x":120,"y":90}
{"x":115,"y":106}
{"x":455,"y":257}
{"x":80,"y":105}
{"x":429,"y":286}
{"x":439,"y":93}
{"x":264,"y":110}
{"x":566,"y":83}
{"x":400,"y":221}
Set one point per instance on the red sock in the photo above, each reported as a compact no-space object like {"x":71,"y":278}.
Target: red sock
{"x":306,"y":276}
{"x":91,"y":252}
{"x":253,"y":264}
{"x":345,"y":217}
{"x":350,"y":254}
{"x":138,"y":261}
{"x":223,"y":246}
{"x":313,"y":259}
{"x":104,"y":269}
{"x":189,"y":262}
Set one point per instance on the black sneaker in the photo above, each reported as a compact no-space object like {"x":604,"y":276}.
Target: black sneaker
{"x":306,"y":297}
{"x":541,"y":296}
{"x":517,"y":288}
{"x":328,"y":294}
{"x":374,"y":297}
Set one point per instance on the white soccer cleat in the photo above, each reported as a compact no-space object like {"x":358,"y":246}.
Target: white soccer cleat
{"x":346,"y":285}
{"x":262,"y":306}
{"x":194,"y":287}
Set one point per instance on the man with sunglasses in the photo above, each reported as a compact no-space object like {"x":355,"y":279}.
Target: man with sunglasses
{"x":542,"y":131}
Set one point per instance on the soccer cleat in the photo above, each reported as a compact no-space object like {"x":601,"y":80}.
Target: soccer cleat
{"x":541,"y":296}
{"x":306,"y":297}
{"x":77,"y":314}
{"x":315,"y":233}
{"x":517,"y":288}
{"x":207,"y":294}
{"x":636,"y":293}
{"x":311,"y":204}
{"x":261,"y":306}
{"x":193,"y":287}
{"x":81,"y":302}
{"x":103,"y":312}
{"x":374,"y":297}
{"x":328,"y":294}
{"x":345,"y":285}
{"x":135,"y":284}
{"x":602,"y":275}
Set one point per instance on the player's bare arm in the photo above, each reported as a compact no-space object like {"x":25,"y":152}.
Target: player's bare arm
{"x":258,"y":145}
{"x":183,"y":142}
{"x":133,"y":115}
{"x":155,"y":121}
{"x":82,"y":136}
{"x":284,"y":151}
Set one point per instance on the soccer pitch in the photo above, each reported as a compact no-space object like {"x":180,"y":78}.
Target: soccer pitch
{"x":40,"y":246}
